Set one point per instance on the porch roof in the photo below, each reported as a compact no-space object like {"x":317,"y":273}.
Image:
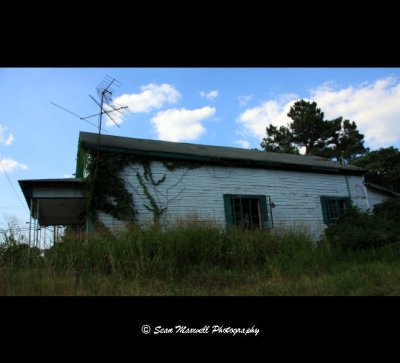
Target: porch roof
{"x":55,"y":201}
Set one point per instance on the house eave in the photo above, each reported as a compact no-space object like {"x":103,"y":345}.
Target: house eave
{"x":227,"y":161}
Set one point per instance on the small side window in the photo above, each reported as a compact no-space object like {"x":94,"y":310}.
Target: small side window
{"x":333,"y":208}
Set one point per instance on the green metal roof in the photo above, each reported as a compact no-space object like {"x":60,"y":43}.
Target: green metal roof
{"x":215,"y":154}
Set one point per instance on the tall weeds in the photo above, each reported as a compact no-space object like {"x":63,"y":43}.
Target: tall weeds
{"x":179,"y":249}
{"x":197,"y":258}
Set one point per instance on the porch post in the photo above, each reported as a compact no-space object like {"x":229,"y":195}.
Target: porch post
{"x":30,"y":220}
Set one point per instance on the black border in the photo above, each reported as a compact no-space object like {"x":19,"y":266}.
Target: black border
{"x":207,"y":35}
{"x":267,"y":39}
{"x":302,"y":326}
{"x":291,"y":322}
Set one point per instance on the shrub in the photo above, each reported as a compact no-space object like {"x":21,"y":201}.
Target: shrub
{"x":359,"y":230}
{"x":389,"y":209}
{"x":19,"y":254}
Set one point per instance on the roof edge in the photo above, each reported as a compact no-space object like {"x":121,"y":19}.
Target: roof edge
{"x":26,"y":185}
{"x":233,"y":161}
{"x":382,"y":189}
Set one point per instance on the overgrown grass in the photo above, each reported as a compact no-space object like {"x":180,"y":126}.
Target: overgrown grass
{"x":193,"y":258}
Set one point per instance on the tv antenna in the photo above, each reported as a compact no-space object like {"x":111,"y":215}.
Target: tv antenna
{"x":106,"y":104}
{"x":106,"y":107}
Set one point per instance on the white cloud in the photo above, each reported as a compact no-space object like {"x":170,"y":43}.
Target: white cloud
{"x":375,"y":107}
{"x":152,"y":97}
{"x":209,"y":95}
{"x":9,"y":140}
{"x":181,"y":124}
{"x":117,"y":117}
{"x":255,"y":120}
{"x":243,"y":143}
{"x":6,"y":140}
{"x":9,"y":165}
{"x":68,"y":176}
{"x":244,"y":100}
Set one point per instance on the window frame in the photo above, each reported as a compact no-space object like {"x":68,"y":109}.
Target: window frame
{"x":265,"y":208}
{"x":325,"y":209}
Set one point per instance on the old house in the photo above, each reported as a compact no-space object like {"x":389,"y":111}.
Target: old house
{"x":121,"y":179}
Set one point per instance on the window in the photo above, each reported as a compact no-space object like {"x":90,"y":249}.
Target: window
{"x":248,"y":211}
{"x":333,"y":208}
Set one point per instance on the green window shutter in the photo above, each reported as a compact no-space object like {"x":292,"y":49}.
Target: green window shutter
{"x":264,"y":210}
{"x":228,"y":209}
{"x":324,"y":210}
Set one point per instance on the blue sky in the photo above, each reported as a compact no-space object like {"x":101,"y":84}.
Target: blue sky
{"x":216,"y":106}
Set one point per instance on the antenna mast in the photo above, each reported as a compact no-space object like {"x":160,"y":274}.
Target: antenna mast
{"x":107,"y":106}
{"x":105,"y":91}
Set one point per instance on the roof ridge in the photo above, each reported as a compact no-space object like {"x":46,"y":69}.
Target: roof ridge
{"x":212,"y":152}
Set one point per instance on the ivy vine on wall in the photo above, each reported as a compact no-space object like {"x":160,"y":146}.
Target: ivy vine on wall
{"x":154,"y":208}
{"x":105,"y":187}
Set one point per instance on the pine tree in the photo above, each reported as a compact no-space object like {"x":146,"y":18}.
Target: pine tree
{"x":336,"y":139}
{"x":383,"y":167}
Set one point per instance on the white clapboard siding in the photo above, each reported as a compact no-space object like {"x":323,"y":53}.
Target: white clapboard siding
{"x":199,"y":192}
{"x":374,"y":197}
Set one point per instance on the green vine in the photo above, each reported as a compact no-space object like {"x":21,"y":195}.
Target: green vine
{"x":153,"y":208}
{"x":148,"y":175}
{"x":105,"y":189}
